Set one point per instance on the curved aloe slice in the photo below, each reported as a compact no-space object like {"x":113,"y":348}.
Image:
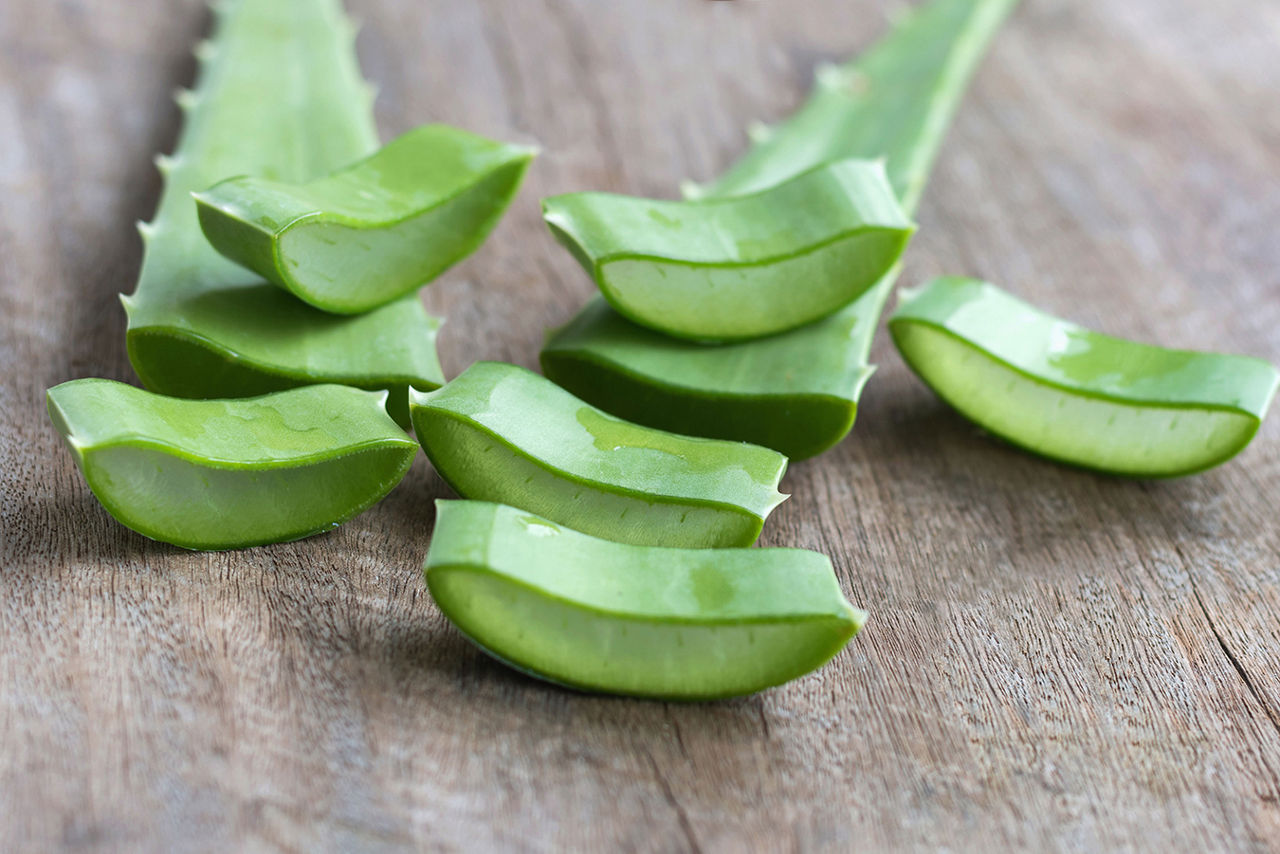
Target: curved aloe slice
{"x":742,"y":267}
{"x":222,"y":474}
{"x":680,"y":624}
{"x":895,"y":101}
{"x":500,"y":433}
{"x":374,"y":231}
{"x":759,"y":395}
{"x":280,"y":97}
{"x":1078,"y":396}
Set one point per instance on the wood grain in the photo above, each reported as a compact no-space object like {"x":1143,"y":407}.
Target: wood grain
{"x":1055,"y":660}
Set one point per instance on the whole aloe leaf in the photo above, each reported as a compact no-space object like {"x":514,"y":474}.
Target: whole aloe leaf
{"x":895,"y":101}
{"x":279,"y":96}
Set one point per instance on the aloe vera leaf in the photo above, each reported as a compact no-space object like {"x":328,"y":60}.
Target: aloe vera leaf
{"x":727,"y":269}
{"x":907,"y":88}
{"x":498,"y":432}
{"x":223,"y":474}
{"x":587,"y":613}
{"x":1077,"y":396}
{"x":279,"y":96}
{"x":373,"y":231}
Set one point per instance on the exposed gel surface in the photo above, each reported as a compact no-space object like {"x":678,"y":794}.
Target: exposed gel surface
{"x":1075,"y":395}
{"x":501,"y":433}
{"x":373,"y":231}
{"x":742,"y":267}
{"x":679,"y":624}
{"x":279,"y":97}
{"x":220,"y":474}
{"x":895,"y":101}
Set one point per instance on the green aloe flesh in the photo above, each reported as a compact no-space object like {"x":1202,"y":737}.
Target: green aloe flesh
{"x":223,"y":474}
{"x":279,"y":97}
{"x":373,"y":231}
{"x":501,"y":433}
{"x":895,"y":101}
{"x":670,"y":623}
{"x":741,"y":267}
{"x":1077,"y":396}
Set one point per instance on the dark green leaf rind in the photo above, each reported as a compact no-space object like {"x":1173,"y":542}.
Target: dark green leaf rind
{"x":499,"y":432}
{"x":746,"y":392}
{"x":221,"y":474}
{"x":595,"y":615}
{"x":1075,"y":395}
{"x":372,"y":231}
{"x":279,"y":96}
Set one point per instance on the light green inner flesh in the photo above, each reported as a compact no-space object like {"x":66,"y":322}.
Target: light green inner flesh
{"x":479,"y":466}
{"x":717,"y":302}
{"x":199,"y":507}
{"x":580,"y":648}
{"x":342,"y":268}
{"x":1073,"y":428}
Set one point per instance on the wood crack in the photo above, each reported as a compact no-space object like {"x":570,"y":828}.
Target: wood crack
{"x":682,"y":818}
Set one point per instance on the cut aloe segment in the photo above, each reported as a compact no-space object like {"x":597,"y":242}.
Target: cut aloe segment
{"x":679,"y":624}
{"x":743,"y":267}
{"x":501,"y":433}
{"x":747,"y":392}
{"x":222,"y":474}
{"x":1078,"y":396}
{"x":375,"y":230}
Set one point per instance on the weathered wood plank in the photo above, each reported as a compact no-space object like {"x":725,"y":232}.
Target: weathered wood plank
{"x":1055,"y":660}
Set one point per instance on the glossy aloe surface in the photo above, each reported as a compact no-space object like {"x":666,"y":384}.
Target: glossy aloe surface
{"x":1075,"y":395}
{"x":222,"y":474}
{"x":895,"y":101}
{"x":498,"y":432}
{"x":679,"y":624}
{"x":279,"y":97}
{"x":744,"y":392}
{"x":373,"y":231}
{"x":741,"y":267}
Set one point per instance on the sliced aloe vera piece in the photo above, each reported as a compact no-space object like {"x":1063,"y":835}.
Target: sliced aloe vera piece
{"x":223,"y":474}
{"x":279,"y":97}
{"x":758,"y":396}
{"x":679,"y":624}
{"x":498,"y":432}
{"x":1074,"y":395}
{"x":742,"y":267}
{"x":373,"y":231}
{"x":895,"y":101}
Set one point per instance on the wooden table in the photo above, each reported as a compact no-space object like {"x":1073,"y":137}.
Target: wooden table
{"x":1055,"y":660}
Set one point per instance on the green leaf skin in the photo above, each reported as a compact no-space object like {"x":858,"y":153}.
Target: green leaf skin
{"x":668,"y":623}
{"x":631,"y":372}
{"x":373,"y":231}
{"x":224,"y":474}
{"x":501,"y":433}
{"x":727,"y":269}
{"x":895,"y":101}
{"x":279,"y":97}
{"x":1077,"y":396}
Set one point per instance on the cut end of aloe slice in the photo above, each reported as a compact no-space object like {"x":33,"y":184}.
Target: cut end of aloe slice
{"x":655,"y":622}
{"x":1077,"y":396}
{"x":743,"y":267}
{"x":374,"y":231}
{"x":222,"y":474}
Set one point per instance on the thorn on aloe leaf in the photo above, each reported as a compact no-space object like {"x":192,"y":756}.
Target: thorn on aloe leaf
{"x":691,"y":189}
{"x":759,"y":132}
